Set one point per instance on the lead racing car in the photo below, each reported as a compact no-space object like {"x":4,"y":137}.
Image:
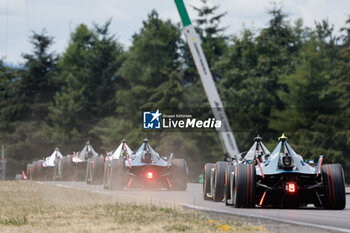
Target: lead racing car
{"x":284,"y":180}
{"x":146,"y":169}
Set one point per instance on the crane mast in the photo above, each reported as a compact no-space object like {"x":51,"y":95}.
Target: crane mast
{"x":226,"y":135}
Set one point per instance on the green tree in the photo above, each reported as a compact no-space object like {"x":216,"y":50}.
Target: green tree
{"x":309,"y":98}
{"x":88,"y":68}
{"x":37,"y":82}
{"x":251,"y":68}
{"x":149,"y":79}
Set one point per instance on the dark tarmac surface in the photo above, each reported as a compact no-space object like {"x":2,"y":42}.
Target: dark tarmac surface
{"x":275,"y":220}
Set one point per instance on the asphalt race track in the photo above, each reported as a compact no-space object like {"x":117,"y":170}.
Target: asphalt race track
{"x":329,"y":220}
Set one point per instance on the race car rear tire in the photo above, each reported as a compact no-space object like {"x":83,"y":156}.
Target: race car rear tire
{"x":106,"y":174}
{"x":37,"y":167}
{"x":66,"y":168}
{"x":28,"y":171}
{"x":227,"y":190}
{"x":244,"y":184}
{"x":49,"y":174}
{"x":117,"y":174}
{"x":96,"y":171}
{"x":206,"y":181}
{"x":219,"y":181}
{"x":88,"y":171}
{"x":334,"y":186}
{"x":179,"y":175}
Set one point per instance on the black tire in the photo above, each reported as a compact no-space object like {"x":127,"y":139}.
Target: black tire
{"x":66,"y":168}
{"x":219,"y":181}
{"x":227,"y":190}
{"x":244,"y":185}
{"x":117,"y":174}
{"x":179,"y":175}
{"x":206,"y":181}
{"x":28,"y":171}
{"x":49,"y":173}
{"x":37,"y":170}
{"x":56,"y":174}
{"x":106,"y":170}
{"x":334,"y":186}
{"x":31,"y":171}
{"x":88,"y":177}
{"x":96,"y":172}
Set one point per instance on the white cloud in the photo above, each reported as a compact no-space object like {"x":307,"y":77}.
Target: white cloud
{"x":61,"y":16}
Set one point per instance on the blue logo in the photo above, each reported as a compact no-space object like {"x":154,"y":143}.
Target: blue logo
{"x":151,"y":120}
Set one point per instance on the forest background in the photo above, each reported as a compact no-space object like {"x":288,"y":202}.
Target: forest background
{"x":283,"y":78}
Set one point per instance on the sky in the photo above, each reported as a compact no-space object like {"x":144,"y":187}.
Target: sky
{"x":18,"y":18}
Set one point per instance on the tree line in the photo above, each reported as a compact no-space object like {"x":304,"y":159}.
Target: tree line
{"x":283,"y":78}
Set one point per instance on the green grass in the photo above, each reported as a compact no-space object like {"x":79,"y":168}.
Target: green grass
{"x":33,"y":207}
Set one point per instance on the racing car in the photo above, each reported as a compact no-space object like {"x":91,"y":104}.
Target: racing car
{"x":146,"y":169}
{"x":75,"y":167}
{"x":123,"y":151}
{"x":44,"y":169}
{"x":216,"y":175}
{"x":284,"y":180}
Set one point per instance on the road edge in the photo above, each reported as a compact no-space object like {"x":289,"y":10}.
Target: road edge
{"x":204,"y":209}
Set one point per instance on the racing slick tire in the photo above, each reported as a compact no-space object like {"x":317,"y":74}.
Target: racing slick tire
{"x":334,"y":186}
{"x":179,"y":173}
{"x":106,"y":176}
{"x":206,"y":181}
{"x":117,"y":174}
{"x":37,"y":170}
{"x":29,"y":171}
{"x":243,"y":186}
{"x":96,"y":172}
{"x":88,"y":171}
{"x":218,"y":181}
{"x":49,"y":174}
{"x":227,"y":193}
{"x":66,"y":168}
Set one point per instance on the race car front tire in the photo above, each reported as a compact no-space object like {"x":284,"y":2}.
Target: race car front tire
{"x":219,"y":181}
{"x":243,"y":186}
{"x":206,"y":181}
{"x":334,"y":186}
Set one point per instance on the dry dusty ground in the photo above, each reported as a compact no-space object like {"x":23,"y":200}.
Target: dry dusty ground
{"x":33,"y":207}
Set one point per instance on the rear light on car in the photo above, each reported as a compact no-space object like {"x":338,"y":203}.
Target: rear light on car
{"x":291,"y":187}
{"x":149,"y":175}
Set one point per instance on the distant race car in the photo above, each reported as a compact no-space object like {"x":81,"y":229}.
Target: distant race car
{"x":284,"y":180}
{"x":146,"y":169}
{"x":75,"y":167}
{"x":123,"y":151}
{"x":216,"y":175}
{"x":45,"y":169}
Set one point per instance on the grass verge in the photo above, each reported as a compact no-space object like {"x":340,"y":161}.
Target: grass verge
{"x":33,"y":207}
